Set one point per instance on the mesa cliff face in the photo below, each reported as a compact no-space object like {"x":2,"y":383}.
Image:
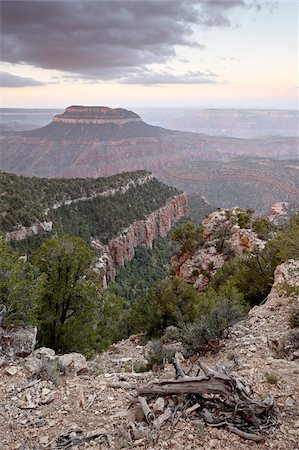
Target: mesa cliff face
{"x":96,"y":115}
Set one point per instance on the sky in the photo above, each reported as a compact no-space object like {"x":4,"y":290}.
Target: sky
{"x":150,"y":54}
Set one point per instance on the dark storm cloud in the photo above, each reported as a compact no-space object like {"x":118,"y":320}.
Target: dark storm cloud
{"x":103,"y":39}
{"x":13,"y":81}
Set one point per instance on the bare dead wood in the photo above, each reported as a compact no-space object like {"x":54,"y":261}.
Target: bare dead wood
{"x":244,"y":435}
{"x":163,"y":418}
{"x":148,"y":414}
{"x":29,"y":385}
{"x":68,"y":440}
{"x":190,"y":385}
{"x":192,"y":409}
{"x":222,"y":401}
{"x":179,"y":373}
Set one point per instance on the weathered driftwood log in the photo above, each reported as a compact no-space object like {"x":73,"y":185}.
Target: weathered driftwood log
{"x":227,"y":401}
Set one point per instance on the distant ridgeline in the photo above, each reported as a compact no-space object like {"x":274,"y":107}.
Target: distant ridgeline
{"x":98,"y":208}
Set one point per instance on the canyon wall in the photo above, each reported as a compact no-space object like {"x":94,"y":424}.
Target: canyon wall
{"x":143,"y":232}
{"x":121,"y":249}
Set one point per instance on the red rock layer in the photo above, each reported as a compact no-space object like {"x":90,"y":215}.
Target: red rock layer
{"x":143,"y":232}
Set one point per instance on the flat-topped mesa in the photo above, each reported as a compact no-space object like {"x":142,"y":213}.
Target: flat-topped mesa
{"x":96,"y":115}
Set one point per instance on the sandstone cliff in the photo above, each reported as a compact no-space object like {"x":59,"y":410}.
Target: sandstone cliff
{"x":121,"y":249}
{"x":145,"y":231}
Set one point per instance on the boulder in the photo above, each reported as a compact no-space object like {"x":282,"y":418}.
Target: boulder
{"x":43,"y":352}
{"x":33,"y":365}
{"x":73,"y":362}
{"x":18,"y":341}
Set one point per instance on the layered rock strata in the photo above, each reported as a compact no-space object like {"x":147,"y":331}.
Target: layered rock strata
{"x":96,"y":115}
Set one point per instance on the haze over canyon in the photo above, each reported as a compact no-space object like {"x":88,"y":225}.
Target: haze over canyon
{"x":100,"y":141}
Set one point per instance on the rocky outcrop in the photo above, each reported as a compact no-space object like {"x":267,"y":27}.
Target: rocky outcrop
{"x":104,"y":266}
{"x":223,"y":238}
{"x":22,"y":233}
{"x":281,"y":212}
{"x":18,"y":342}
{"x":143,"y":232}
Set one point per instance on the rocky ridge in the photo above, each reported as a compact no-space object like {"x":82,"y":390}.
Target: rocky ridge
{"x":99,"y":401}
{"x":222,"y":237}
{"x":23,"y":232}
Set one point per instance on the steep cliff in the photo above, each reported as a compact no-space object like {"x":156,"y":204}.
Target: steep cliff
{"x":121,"y":249}
{"x":143,"y":232}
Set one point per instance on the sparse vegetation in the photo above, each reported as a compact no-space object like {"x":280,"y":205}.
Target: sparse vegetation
{"x":263,"y":228}
{"x":158,"y":355}
{"x":226,"y":307}
{"x":244,"y":219}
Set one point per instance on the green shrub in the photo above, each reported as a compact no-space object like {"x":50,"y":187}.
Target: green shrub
{"x":68,"y":304}
{"x":170,"y":302}
{"x":21,"y":288}
{"x":188,"y":236}
{"x":244,"y":219}
{"x":227,"y":308}
{"x":262,"y":227}
{"x":158,"y":354}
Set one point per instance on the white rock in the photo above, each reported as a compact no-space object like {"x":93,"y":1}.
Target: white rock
{"x":73,"y":362}
{"x":43,"y":352}
{"x":12,"y":370}
{"x":43,"y":440}
{"x":34,"y":365}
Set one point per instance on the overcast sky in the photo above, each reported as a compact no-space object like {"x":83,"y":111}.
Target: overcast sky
{"x":155,"y":53}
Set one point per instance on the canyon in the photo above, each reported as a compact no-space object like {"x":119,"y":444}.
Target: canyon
{"x":100,"y":141}
{"x":121,"y":249}
{"x":117,"y":214}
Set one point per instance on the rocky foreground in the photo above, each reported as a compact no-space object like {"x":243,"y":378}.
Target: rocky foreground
{"x":50,"y":401}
